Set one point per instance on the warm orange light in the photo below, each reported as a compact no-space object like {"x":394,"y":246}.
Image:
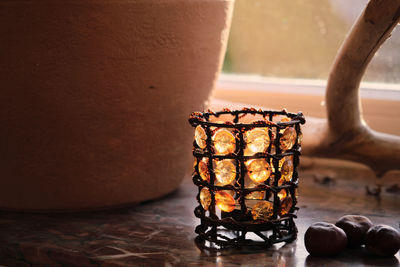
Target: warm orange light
{"x":257,"y":140}
{"x":286,"y":205}
{"x":258,"y":170}
{"x":205,"y":198}
{"x":225,"y":171}
{"x":286,"y":170}
{"x":200,"y":137}
{"x":263,"y":210}
{"x":203,"y":169}
{"x":282,"y":194}
{"x":288,"y":138}
{"x":255,"y":194}
{"x":225,"y":201}
{"x":224,"y":142}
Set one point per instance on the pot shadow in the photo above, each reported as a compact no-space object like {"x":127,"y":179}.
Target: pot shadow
{"x":352,"y":257}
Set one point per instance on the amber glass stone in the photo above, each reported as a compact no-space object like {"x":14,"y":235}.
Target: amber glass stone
{"x":224,"y":201}
{"x":224,"y":142}
{"x":257,"y":140}
{"x":225,"y":171}
{"x":255,"y":194}
{"x":230,"y":192}
{"x":280,"y":163}
{"x":258,"y":170}
{"x":200,"y":137}
{"x":288,"y":138}
{"x":263,"y":210}
{"x":203,"y":170}
{"x":282,"y":194}
{"x":205,"y":198}
{"x":286,"y":205}
{"x":271,"y":163}
{"x":300,"y":138}
{"x":286,"y":170}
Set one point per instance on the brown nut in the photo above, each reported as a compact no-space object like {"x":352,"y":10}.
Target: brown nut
{"x":324,"y":239}
{"x":355,"y":227}
{"x":382,"y":240}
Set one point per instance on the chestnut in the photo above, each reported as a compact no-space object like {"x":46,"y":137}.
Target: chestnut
{"x":382,"y":240}
{"x":355,"y":227}
{"x":324,"y":239}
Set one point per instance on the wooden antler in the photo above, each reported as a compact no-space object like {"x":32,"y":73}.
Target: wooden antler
{"x":345,"y":135}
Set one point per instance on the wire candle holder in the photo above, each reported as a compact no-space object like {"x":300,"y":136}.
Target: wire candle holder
{"x":247,"y":178}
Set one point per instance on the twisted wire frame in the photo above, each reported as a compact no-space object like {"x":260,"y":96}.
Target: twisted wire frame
{"x":238,"y":228}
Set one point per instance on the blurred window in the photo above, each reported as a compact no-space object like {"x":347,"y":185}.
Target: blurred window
{"x":299,"y":39}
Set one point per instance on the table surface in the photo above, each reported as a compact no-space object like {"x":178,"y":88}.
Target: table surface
{"x":161,"y":232}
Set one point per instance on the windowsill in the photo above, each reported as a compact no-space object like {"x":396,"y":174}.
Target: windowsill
{"x":380,"y":102}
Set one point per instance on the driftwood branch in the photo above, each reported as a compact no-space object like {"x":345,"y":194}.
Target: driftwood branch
{"x":346,"y":135}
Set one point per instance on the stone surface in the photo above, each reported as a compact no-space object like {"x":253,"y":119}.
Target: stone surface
{"x":325,"y":239}
{"x":382,"y":240}
{"x":355,"y":227}
{"x":161,"y":232}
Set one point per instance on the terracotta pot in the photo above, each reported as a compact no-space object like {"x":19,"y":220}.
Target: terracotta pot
{"x":95,"y":97}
